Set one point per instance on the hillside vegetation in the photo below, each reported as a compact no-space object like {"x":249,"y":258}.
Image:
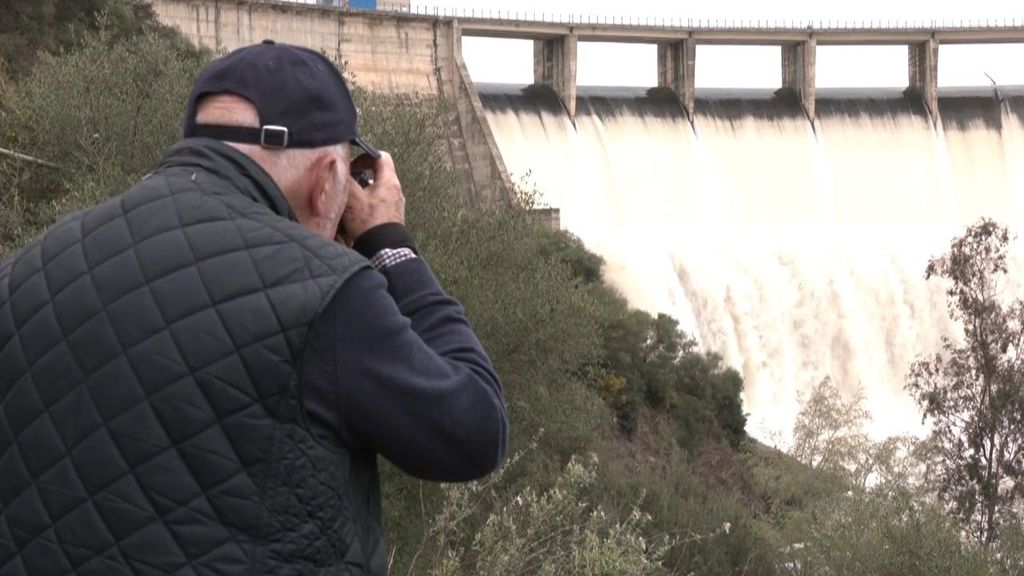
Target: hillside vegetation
{"x":630,"y":450}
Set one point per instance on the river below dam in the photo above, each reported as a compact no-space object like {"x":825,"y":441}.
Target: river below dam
{"x":795,"y":250}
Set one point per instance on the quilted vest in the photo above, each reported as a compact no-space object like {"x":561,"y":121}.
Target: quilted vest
{"x":151,"y":420}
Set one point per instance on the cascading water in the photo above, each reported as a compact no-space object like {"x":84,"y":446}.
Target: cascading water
{"x":795,"y":251}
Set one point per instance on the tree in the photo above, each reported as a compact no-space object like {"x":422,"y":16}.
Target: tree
{"x":971,"y":392}
{"x":662,"y":368}
{"x":829,"y":431}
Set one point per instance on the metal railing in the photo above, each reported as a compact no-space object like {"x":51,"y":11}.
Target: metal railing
{"x":677,"y":22}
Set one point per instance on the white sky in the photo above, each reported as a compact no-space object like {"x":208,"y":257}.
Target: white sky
{"x":499,"y":60}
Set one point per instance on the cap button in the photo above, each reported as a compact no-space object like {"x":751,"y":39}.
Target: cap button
{"x":269,"y":42}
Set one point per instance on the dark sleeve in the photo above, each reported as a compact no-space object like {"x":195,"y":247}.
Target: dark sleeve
{"x":394,"y":367}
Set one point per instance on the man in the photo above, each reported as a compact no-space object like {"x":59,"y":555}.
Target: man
{"x":196,"y":378}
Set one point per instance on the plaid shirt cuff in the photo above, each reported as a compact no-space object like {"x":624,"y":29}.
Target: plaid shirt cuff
{"x":388,"y":257}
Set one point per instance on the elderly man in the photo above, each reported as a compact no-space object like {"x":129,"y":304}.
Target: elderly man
{"x":197,"y":377}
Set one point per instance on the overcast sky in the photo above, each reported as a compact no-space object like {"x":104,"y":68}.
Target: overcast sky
{"x":496,"y":60}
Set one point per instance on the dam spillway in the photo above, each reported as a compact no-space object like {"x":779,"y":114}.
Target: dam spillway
{"x":795,"y":250}
{"x":787,"y":232}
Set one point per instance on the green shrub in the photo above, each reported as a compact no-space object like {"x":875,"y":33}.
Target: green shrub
{"x":551,"y":532}
{"x":31,"y":27}
{"x":867,"y":534}
{"x":104,"y":112}
{"x":663,"y":369}
{"x":1009,"y":551}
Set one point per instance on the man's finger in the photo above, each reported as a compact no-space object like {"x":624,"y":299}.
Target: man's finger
{"x":357,"y":195}
{"x":385,"y":168}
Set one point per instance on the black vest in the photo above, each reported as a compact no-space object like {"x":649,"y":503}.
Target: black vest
{"x":151,"y":420}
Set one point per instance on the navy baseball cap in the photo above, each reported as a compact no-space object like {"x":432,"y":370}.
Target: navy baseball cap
{"x":300,"y":96}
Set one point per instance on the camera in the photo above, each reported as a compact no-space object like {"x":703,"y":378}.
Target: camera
{"x":363,"y":177}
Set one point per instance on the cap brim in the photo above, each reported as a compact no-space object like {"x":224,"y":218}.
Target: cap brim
{"x":366,"y":146}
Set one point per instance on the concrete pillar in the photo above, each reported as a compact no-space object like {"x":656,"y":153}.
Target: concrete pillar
{"x":554,"y":65}
{"x":798,"y":72}
{"x":676,"y":66}
{"x":471,"y":143}
{"x":924,"y":74}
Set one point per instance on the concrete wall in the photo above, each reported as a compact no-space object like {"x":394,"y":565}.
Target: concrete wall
{"x":489,"y":171}
{"x":382,"y":52}
{"x":554,"y":65}
{"x":924,"y":74}
{"x":677,"y":64}
{"x":473,"y":143}
{"x":798,"y":73}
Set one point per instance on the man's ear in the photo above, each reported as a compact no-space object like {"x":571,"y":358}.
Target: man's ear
{"x":324,"y":170}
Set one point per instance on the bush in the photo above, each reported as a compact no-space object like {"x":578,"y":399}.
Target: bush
{"x":661,"y":368}
{"x":31,"y":27}
{"x":1009,"y":551}
{"x":867,"y":534}
{"x":695,"y":498}
{"x":551,"y":532}
{"x":104,"y":113}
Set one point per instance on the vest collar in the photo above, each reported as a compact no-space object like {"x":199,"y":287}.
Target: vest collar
{"x":243,"y":173}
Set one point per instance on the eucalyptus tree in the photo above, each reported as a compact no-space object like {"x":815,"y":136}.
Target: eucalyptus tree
{"x":972,"y":391}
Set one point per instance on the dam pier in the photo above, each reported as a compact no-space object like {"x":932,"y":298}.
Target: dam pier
{"x":555,"y":51}
{"x":228,"y":24}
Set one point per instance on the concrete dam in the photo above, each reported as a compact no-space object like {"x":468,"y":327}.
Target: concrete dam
{"x":787,"y":230}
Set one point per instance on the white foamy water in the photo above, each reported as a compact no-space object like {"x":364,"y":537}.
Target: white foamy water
{"x":796,"y":252}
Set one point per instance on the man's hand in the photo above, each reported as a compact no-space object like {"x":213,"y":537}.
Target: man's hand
{"x":380,"y":203}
